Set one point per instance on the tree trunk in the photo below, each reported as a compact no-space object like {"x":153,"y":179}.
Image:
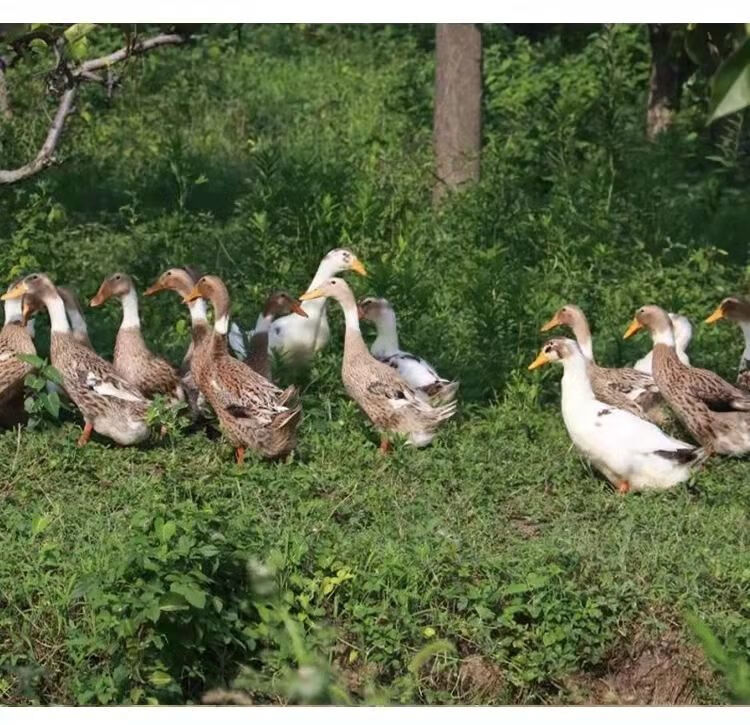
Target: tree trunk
{"x":5,"y":111}
{"x":458,"y":106}
{"x":666,"y":81}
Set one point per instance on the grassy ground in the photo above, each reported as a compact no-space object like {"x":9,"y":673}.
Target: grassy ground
{"x":493,"y":567}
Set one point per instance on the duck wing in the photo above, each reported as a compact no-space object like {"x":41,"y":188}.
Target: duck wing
{"x":716,"y":393}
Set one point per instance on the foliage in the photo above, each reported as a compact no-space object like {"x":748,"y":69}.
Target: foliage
{"x":42,"y":401}
{"x":250,"y":155}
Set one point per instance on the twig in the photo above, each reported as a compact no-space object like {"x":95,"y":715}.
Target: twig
{"x":5,"y":111}
{"x":73,"y":77}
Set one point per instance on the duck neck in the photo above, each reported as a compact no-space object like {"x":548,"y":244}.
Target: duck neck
{"x":326,"y":269}
{"x":13,"y":311}
{"x":576,"y":384}
{"x":220,"y":303}
{"x":386,"y":342}
{"x":263,"y":324}
{"x":77,"y":321}
{"x":353,"y":342}
{"x":130,"y":316}
{"x":582,"y":333}
{"x":56,"y":309}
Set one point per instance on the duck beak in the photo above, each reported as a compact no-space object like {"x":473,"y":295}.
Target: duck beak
{"x":192,"y":296}
{"x":313,"y":294}
{"x":98,"y":299}
{"x":541,"y":359}
{"x":18,"y":291}
{"x":717,"y":314}
{"x":25,"y":313}
{"x":154,"y":288}
{"x":634,"y":327}
{"x":360,"y":312}
{"x":296,"y":307}
{"x":358,"y":267}
{"x":554,"y":322}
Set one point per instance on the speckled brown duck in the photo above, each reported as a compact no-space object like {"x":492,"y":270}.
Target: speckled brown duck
{"x":624,"y":388}
{"x":79,"y":328}
{"x":390,"y":403}
{"x":716,"y":413}
{"x":182,"y":280}
{"x":110,"y":405}
{"x":737,"y":310}
{"x":15,"y":339}
{"x":151,"y":374}
{"x":253,"y":413}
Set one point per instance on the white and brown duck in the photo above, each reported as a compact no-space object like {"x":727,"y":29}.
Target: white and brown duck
{"x":392,"y":405}
{"x":625,"y":388}
{"x":151,"y":374}
{"x":716,"y":413}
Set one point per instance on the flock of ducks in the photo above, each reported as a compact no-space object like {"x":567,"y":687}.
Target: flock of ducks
{"x":399,"y":392}
{"x":613,"y":415}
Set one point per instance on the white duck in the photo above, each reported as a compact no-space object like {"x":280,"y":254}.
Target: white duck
{"x":683,"y":333}
{"x":632,"y":453}
{"x":417,"y":372}
{"x":297,"y":339}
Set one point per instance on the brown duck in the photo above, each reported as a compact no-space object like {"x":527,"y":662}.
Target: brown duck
{"x":737,"y":310}
{"x":110,"y":405}
{"x":15,"y":339}
{"x":385,"y":397}
{"x":151,"y":374}
{"x":79,"y":328}
{"x":714,"y":412}
{"x":624,"y":388}
{"x":182,"y":280}
{"x":251,"y":410}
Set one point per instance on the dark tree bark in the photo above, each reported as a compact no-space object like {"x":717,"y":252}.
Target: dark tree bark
{"x":458,"y":106}
{"x":5,"y":110}
{"x":665,"y":86}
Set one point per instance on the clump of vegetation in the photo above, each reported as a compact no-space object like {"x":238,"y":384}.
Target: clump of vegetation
{"x":491,"y":568}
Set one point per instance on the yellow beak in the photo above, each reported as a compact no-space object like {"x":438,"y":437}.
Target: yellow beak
{"x":541,"y":359}
{"x":18,"y":291}
{"x":634,"y":327}
{"x":358,"y":267}
{"x":715,"y":316}
{"x":314,"y":294}
{"x":193,"y":295}
{"x":554,"y":322}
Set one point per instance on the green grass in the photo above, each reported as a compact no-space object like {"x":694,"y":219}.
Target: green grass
{"x":493,"y":567}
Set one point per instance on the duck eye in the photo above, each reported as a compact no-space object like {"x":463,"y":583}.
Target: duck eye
{"x":169,"y":274}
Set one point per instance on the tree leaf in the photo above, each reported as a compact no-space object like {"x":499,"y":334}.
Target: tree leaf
{"x":159,"y":678}
{"x":34,"y":360}
{"x":730,"y":86}
{"x":195,"y":597}
{"x":52,"y":403}
{"x":53,"y":374}
{"x":172,"y":602}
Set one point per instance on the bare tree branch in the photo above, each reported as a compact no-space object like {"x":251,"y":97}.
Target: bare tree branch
{"x":73,"y":76}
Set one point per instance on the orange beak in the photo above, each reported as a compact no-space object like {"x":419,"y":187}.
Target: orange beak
{"x":154,"y":288}
{"x":98,"y":299}
{"x":193,"y":295}
{"x":634,"y":327}
{"x":715,"y":316}
{"x":541,"y":359}
{"x":358,"y":267}
{"x":554,"y":322}
{"x":296,"y":307}
{"x":360,"y":312}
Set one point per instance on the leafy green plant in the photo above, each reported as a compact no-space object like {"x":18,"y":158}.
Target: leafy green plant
{"x":42,"y":401}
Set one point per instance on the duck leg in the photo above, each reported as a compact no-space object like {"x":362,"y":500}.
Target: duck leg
{"x":385,"y":445}
{"x":622,"y":487}
{"x":88,"y":429}
{"x":239,"y":455}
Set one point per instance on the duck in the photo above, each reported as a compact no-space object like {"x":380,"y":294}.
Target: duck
{"x":16,"y":337}
{"x":258,"y":357}
{"x":714,"y":412}
{"x":392,"y":405}
{"x":79,"y":329}
{"x":683,"y":333}
{"x":296,"y":339}
{"x":182,"y":280}
{"x":632,"y":453}
{"x":737,"y":310}
{"x":252,"y":411}
{"x":625,"y":388}
{"x":417,"y":372}
{"x":110,"y":405}
{"x":133,"y":360}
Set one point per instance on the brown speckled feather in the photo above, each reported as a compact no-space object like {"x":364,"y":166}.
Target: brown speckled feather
{"x":627,"y":389}
{"x":704,"y":403}
{"x":151,"y":374}
{"x":743,"y":377}
{"x":14,"y":339}
{"x":258,"y":357}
